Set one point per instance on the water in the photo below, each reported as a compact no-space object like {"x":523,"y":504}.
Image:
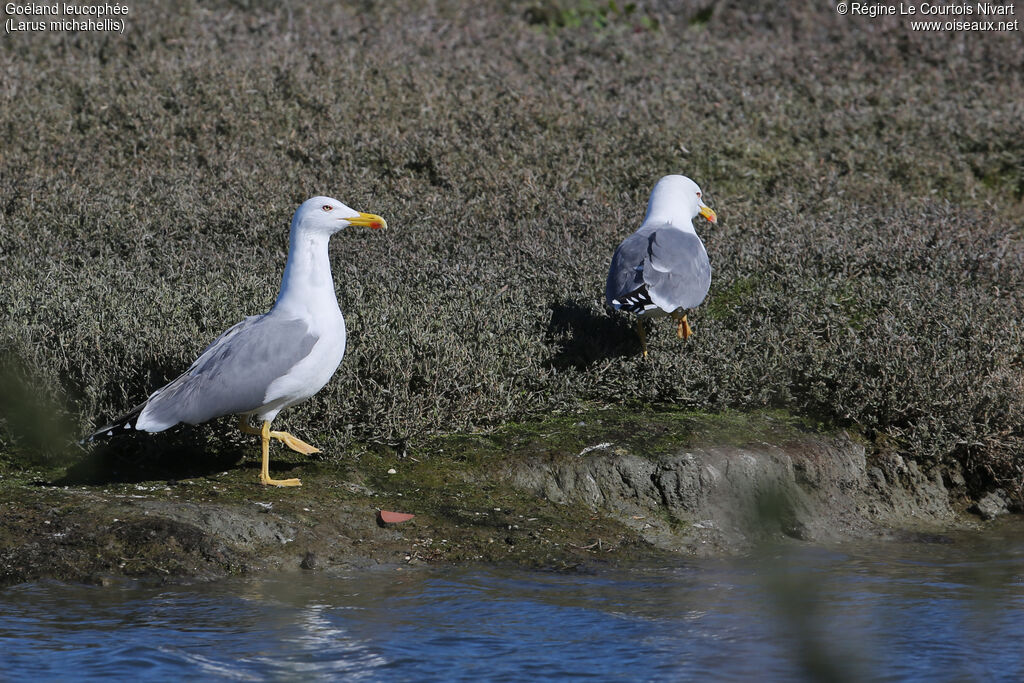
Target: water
{"x":952,"y":609}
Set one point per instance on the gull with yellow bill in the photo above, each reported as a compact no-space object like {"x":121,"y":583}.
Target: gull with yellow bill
{"x":662,"y":269}
{"x":267,"y":362}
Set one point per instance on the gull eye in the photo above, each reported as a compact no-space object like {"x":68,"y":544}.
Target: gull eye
{"x":327,"y":207}
{"x":698,"y":195}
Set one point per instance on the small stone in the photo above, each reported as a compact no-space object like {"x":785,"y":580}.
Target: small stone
{"x":991,"y":505}
{"x":389,"y":517}
{"x":392,"y":471}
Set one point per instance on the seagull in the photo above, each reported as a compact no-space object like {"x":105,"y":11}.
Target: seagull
{"x":662,"y":269}
{"x":267,"y":362}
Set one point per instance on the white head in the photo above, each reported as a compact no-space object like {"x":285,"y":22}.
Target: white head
{"x":327,"y":216}
{"x":677,"y":200}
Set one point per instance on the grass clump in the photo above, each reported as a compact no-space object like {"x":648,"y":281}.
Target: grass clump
{"x":868,"y":265}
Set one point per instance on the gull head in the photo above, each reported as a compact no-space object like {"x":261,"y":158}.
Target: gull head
{"x":327,"y":215}
{"x":677,"y":200}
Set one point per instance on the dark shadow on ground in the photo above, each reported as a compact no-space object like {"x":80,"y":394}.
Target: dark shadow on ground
{"x":180,"y":454}
{"x":584,"y":336}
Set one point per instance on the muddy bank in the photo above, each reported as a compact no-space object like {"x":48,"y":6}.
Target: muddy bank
{"x":608,"y":486}
{"x":722,"y":499}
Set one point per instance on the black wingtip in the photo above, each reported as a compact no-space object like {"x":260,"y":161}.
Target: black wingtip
{"x":638,"y":301}
{"x":122,"y":425}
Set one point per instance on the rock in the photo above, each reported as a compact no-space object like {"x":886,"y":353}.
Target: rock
{"x":992,"y":505}
{"x":309,"y":561}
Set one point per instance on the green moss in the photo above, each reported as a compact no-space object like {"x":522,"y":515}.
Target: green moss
{"x":644,"y":430}
{"x":723,"y":302}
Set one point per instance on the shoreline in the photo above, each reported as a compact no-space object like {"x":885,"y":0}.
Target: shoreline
{"x":608,"y":486}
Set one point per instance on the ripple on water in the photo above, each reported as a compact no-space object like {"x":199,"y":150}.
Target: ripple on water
{"x":873,"y":610}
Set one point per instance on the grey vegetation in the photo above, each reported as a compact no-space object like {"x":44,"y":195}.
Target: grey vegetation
{"x":868,"y":260}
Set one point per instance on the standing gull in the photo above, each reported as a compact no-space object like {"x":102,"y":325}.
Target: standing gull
{"x":267,"y":362}
{"x":662,"y":268}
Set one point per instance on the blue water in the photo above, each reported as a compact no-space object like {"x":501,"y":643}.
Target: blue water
{"x":952,"y":609}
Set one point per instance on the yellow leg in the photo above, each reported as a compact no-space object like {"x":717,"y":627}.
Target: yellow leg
{"x":292,"y":442}
{"x":265,"y":436}
{"x":683,"y":330}
{"x":643,"y":335}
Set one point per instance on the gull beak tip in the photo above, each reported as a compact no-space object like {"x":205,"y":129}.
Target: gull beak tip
{"x":368,"y":220}
{"x":708,"y":213}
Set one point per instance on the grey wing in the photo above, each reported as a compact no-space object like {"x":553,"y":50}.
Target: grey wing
{"x":658,"y":267}
{"x":232,"y":374}
{"x":677,"y":270}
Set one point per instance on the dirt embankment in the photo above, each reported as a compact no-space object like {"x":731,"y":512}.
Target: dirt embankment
{"x":565,"y":492}
{"x":719,"y":499}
